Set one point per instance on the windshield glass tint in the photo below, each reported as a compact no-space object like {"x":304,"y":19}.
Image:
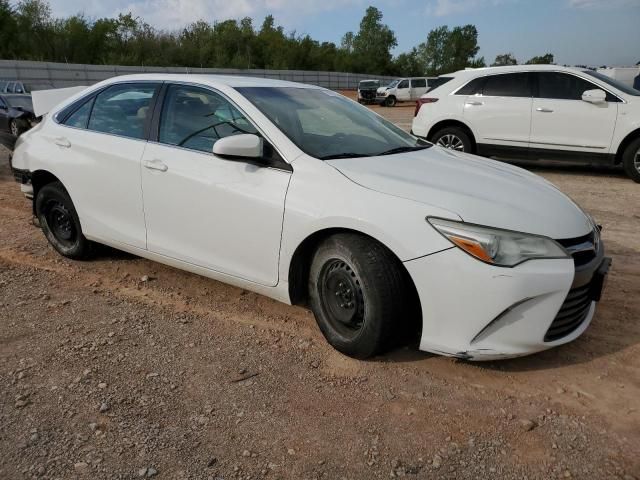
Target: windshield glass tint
{"x":369,"y":84}
{"x":24,"y":102}
{"x":614,"y":83}
{"x":325,"y":124}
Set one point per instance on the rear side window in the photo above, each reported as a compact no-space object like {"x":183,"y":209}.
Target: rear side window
{"x":474,"y":87}
{"x":196,"y":118}
{"x":418,"y":83}
{"x":507,"y":85}
{"x":556,"y":85}
{"x":122,"y":110}
{"x":80,"y":117}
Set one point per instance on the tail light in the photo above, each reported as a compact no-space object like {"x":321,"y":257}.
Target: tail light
{"x":422,"y":101}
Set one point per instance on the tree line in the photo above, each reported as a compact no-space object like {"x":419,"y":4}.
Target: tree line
{"x":29,"y":31}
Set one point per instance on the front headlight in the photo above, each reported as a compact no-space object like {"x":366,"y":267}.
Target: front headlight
{"x":502,"y":248}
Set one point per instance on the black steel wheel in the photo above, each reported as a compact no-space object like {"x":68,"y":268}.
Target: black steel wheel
{"x":59,"y":222}
{"x":358,"y":294}
{"x":342,"y":297}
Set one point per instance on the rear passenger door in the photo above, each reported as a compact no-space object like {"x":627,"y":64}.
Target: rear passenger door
{"x":98,"y":146}
{"x":563,"y":122}
{"x":498,"y":109}
{"x":403,"y":91}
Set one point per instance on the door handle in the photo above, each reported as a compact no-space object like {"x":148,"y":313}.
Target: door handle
{"x":62,"y":142}
{"x":544,"y":110}
{"x":155,"y":165}
{"x":475,"y":103}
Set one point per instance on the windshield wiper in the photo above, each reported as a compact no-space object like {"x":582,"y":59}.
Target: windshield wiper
{"x":344,"y":155}
{"x":403,"y":149}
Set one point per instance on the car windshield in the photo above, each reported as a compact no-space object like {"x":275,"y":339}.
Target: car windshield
{"x":614,"y":83}
{"x":393,"y":84}
{"x":20,"y":101}
{"x":326,"y":125}
{"x":369,"y":84}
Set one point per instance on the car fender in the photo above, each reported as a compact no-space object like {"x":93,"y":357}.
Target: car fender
{"x":398,"y":223}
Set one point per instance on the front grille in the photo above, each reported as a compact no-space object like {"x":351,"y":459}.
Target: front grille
{"x":583,"y":249}
{"x":368,"y":95}
{"x":573,"y":312}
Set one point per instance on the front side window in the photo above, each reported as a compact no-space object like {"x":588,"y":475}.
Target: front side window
{"x":194,"y":117}
{"x":122,"y":109}
{"x":507,"y":85}
{"x":326,"y":125}
{"x":614,"y":83}
{"x":418,"y":83}
{"x":563,"y":86}
{"x":404,"y":84}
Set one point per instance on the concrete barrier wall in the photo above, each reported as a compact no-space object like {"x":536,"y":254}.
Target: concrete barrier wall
{"x":43,"y":75}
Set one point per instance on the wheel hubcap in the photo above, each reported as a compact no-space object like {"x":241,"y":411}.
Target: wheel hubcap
{"x":342,"y":297}
{"x":636,"y":161}
{"x":60,"y":222}
{"x":451,"y":141}
{"x":14,"y":129}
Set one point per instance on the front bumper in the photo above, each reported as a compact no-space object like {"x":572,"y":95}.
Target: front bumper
{"x":475,"y":311}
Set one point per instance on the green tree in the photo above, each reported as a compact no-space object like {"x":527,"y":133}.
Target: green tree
{"x":504,"y":59}
{"x":9,"y":41}
{"x":373,"y":43}
{"x":446,"y":51}
{"x":546,"y":59}
{"x":408,"y":64}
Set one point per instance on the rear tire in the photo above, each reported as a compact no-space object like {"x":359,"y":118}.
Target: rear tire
{"x":631,"y":160}
{"x":59,"y":222}
{"x":453,"y":138}
{"x":358,"y":294}
{"x":14,"y":128}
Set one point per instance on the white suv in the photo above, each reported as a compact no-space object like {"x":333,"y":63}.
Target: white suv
{"x":534,"y":112}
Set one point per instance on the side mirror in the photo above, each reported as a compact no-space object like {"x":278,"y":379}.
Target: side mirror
{"x":245,"y":146}
{"x":594,"y":96}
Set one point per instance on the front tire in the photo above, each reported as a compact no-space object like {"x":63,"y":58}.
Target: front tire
{"x":631,"y":160}
{"x":390,"y":102}
{"x":453,"y":138}
{"x":59,"y":222}
{"x":358,"y":295}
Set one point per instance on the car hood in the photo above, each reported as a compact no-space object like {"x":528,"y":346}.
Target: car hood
{"x":478,"y":190}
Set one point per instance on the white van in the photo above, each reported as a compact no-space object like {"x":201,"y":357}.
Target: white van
{"x":403,"y":90}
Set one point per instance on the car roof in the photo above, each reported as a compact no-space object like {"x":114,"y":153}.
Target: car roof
{"x":471,"y":72}
{"x":233,"y":81}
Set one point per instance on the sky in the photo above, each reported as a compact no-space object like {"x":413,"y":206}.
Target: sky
{"x":577,"y":32}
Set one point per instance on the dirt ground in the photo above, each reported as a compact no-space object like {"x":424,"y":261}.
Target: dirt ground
{"x":121,"y":368}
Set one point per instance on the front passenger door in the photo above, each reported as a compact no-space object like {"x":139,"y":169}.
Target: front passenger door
{"x":220,"y":214}
{"x":563,"y":122}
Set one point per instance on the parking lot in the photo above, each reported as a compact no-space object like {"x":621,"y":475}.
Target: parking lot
{"x":125,"y":368}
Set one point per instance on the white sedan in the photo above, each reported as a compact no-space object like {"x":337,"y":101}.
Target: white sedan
{"x":300,"y":194}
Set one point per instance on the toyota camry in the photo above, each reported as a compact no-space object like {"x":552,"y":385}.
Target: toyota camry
{"x":298,"y":193}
